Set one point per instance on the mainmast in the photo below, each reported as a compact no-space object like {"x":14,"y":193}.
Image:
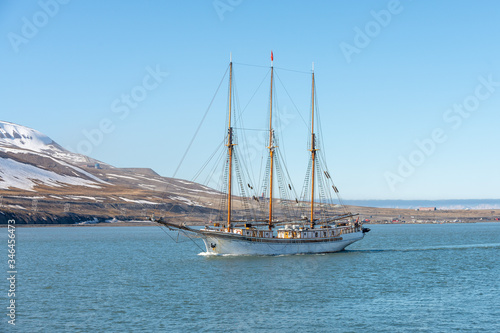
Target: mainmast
{"x":230,"y":147}
{"x":312,"y":150}
{"x":271,"y":148}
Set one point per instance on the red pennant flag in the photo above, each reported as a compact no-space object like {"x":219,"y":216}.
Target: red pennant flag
{"x":272,"y":56}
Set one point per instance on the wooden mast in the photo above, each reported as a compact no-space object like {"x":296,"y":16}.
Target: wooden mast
{"x":312,"y":150}
{"x":230,"y":147}
{"x":271,"y":148}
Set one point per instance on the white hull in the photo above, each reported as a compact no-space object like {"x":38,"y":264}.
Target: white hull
{"x":224,"y":245}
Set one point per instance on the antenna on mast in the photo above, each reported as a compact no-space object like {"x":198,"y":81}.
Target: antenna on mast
{"x":230,"y":57}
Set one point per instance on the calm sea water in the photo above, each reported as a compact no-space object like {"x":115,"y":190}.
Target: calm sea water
{"x":400,"y":278}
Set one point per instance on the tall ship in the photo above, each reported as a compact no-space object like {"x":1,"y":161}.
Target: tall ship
{"x":273,"y":219}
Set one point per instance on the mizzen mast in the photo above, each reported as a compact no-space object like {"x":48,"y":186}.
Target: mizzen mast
{"x":230,"y":147}
{"x":312,"y":150}
{"x":271,"y":148}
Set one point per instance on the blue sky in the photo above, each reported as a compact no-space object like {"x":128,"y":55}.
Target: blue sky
{"x":388,"y":76}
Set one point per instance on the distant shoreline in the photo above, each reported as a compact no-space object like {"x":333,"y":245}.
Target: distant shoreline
{"x":441,"y":204}
{"x":100,"y":224}
{"x":152,"y":224}
{"x":366,"y":215}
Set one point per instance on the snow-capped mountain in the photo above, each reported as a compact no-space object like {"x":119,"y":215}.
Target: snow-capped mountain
{"x":29,"y":158}
{"x":20,"y":137}
{"x":23,"y":137}
{"x":37,"y":174}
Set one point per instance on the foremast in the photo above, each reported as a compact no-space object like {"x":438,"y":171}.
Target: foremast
{"x":230,"y":146}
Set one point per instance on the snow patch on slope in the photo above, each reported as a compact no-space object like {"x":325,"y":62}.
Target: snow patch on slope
{"x":26,"y":176}
{"x":139,"y":201}
{"x":77,"y":169}
{"x":186,"y":201}
{"x":120,"y":176}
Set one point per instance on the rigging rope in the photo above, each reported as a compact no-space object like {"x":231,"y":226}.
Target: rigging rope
{"x":203,"y":250}
{"x":199,"y":125}
{"x":177,"y":241}
{"x":280,"y":68}
{"x":296,"y":108}
{"x":255,"y":92}
{"x":250,"y":65}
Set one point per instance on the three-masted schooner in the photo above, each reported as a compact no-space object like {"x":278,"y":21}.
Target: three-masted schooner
{"x":321,"y":227}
